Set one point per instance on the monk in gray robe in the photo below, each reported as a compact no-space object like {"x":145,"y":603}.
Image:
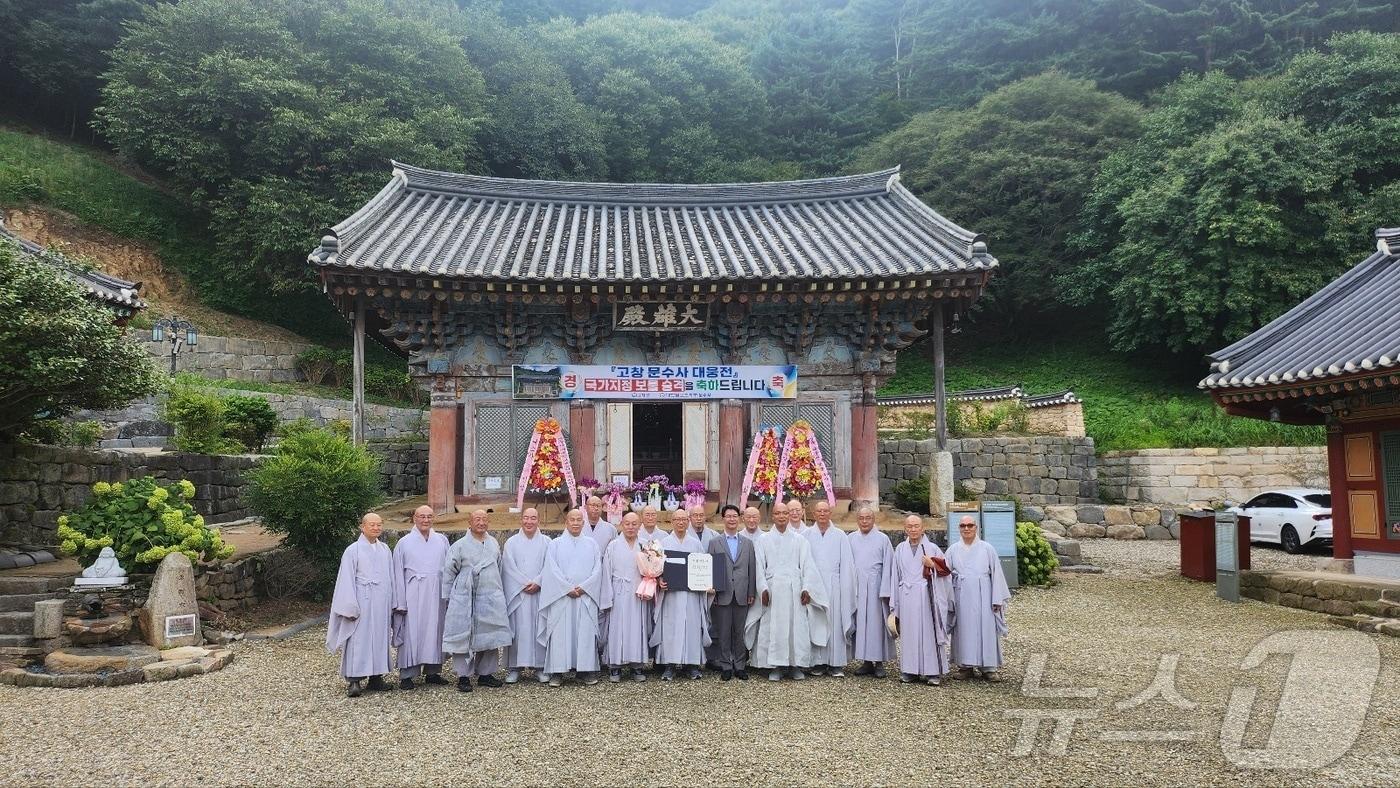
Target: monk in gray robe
{"x":628,"y":618}
{"x":791,"y":615}
{"x":832,"y":554}
{"x":569,"y":597}
{"x":698,"y":529}
{"x":476,"y":625}
{"x":595,"y":526}
{"x":418,"y":605}
{"x":522,"y":565}
{"x":681,"y":617}
{"x":979,"y":604}
{"x":918,"y":597}
{"x":872,"y":551}
{"x":361,"y":609}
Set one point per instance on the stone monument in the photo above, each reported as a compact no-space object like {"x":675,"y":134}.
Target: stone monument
{"x":170,"y":616}
{"x":105,"y":572}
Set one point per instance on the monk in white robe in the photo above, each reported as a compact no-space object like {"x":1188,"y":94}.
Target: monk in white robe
{"x":751,"y":519}
{"x":873,"y":551}
{"x":361,"y":609}
{"x":569,"y":597}
{"x":837,"y":566}
{"x":650,"y":530}
{"x":418,"y":605}
{"x":979,"y":604}
{"x":794,"y":512}
{"x":594,"y":526}
{"x":681,"y":617}
{"x":522,"y":565}
{"x":476,"y":626}
{"x":920,"y":604}
{"x":791,"y":615}
{"x":626,"y":644}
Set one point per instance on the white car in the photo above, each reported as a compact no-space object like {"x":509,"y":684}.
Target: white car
{"x":1291,"y":518}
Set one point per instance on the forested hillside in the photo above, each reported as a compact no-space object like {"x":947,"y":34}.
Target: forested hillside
{"x":1155,"y":176}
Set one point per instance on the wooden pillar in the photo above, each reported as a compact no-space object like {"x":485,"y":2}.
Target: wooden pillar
{"x":1337,"y":481}
{"x":583,"y":434}
{"x":731,"y":450}
{"x":357,"y":425}
{"x":865,"y":450}
{"x":442,"y":452}
{"x":940,"y":390}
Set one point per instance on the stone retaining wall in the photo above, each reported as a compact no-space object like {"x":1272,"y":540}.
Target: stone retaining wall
{"x":1095,"y":521}
{"x":273,"y":574}
{"x":267,"y":361}
{"x":1039,"y":470}
{"x":1203,"y":476}
{"x":38,"y":483}
{"x":139,"y":424}
{"x":405,"y":469}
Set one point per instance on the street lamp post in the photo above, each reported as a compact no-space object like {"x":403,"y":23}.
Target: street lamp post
{"x":178,"y":332}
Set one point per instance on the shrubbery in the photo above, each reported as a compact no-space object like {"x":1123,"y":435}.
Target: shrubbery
{"x":143,"y":522}
{"x":911,"y":495}
{"x":249,"y":420}
{"x":314,"y":489}
{"x":199,"y":418}
{"x":325,"y":367}
{"x":1036,"y":561}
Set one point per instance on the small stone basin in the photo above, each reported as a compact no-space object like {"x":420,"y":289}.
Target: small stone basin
{"x":97,"y":631}
{"x":97,"y":659}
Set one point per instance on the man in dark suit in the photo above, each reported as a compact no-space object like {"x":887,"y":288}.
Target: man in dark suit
{"x":735,"y":561}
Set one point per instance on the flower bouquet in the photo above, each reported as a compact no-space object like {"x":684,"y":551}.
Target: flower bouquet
{"x":671,"y":504}
{"x":653,"y":486}
{"x":651,"y":560}
{"x":801,"y":469}
{"x":586,"y":487}
{"x":547,"y":469}
{"x":761,"y":477}
{"x":614,"y":503}
{"x":695,"y":494}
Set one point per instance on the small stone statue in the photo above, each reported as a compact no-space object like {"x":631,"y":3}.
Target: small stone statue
{"x":93,"y":607}
{"x":105,"y":571}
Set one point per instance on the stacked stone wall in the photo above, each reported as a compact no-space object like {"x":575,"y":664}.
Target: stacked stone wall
{"x":1038,"y":471}
{"x":1207,"y":477}
{"x":263,"y":360}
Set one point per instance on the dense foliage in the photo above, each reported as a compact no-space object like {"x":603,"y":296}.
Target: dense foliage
{"x":142,"y":521}
{"x":1036,"y":561}
{"x":314,"y":489}
{"x":59,"y":351}
{"x":1177,"y":171}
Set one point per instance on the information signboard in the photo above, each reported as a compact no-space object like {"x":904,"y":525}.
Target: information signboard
{"x":999,"y":529}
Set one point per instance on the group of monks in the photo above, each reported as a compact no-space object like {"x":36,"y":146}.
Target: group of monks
{"x":798,"y":599}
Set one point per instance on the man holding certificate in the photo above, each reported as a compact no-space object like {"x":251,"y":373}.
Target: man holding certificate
{"x":733,"y":557}
{"x":681,"y":621}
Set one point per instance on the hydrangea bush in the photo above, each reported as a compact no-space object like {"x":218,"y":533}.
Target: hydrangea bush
{"x":142,"y":521}
{"x":1036,"y":561}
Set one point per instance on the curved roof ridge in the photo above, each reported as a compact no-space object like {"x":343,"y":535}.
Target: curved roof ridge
{"x":835,"y":187}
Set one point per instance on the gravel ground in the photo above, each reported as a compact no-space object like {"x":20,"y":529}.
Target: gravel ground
{"x":278,"y":715}
{"x":1150,"y":558}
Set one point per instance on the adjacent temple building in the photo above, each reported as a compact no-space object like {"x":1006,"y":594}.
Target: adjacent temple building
{"x":660,"y":323}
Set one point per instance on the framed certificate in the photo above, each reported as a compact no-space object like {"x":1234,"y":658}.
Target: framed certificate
{"x":700,"y":572}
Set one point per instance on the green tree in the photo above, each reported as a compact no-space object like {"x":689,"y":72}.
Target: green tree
{"x":60,"y":352}
{"x":674,"y":104}
{"x":1242,"y":198}
{"x":280,"y":116}
{"x":1015,"y":167}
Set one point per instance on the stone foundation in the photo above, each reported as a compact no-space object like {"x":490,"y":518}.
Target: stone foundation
{"x":1097,"y":521}
{"x":1323,"y":592}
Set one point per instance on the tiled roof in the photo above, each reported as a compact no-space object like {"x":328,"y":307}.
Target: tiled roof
{"x":1046,"y":400}
{"x":110,"y":290}
{"x":1352,"y":325}
{"x":969,"y":395}
{"x":499,"y":229}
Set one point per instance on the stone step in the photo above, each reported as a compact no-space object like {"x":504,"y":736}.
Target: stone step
{"x":16,"y":641}
{"x":17,"y":623}
{"x":1364,"y":623}
{"x":24,"y":603}
{"x":25,"y":584}
{"x":1379,"y":607}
